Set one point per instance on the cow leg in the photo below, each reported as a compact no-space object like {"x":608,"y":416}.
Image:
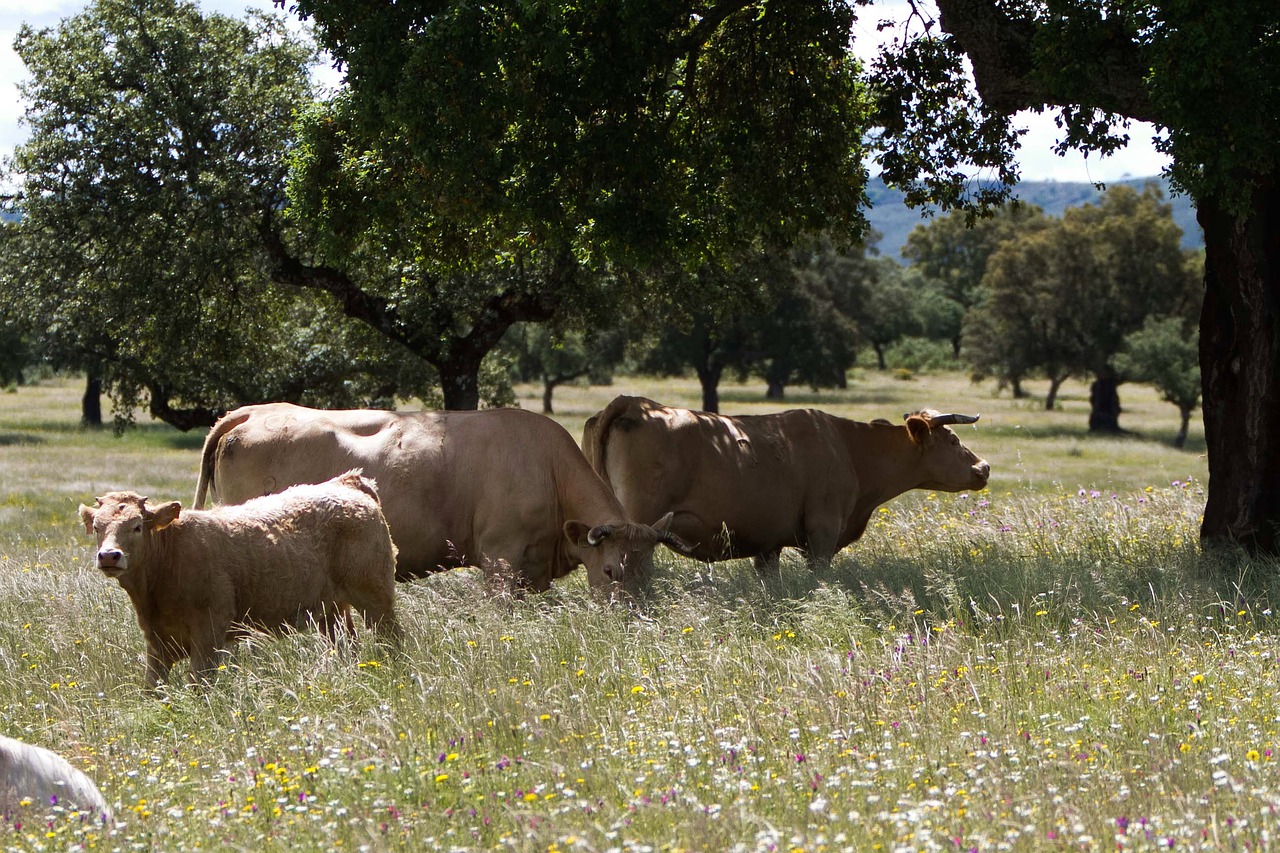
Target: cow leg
{"x":767,"y":563}
{"x":821,"y":545}
{"x":378,"y":607}
{"x":159,"y":661}
{"x":207,"y":642}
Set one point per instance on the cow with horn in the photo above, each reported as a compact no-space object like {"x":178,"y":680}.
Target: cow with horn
{"x":752,"y":485}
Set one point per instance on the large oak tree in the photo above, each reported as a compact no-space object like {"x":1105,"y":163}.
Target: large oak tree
{"x":158,"y":140}
{"x":1208,"y":76}
{"x":488,"y":162}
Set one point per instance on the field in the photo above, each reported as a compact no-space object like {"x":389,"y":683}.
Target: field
{"x":1048,"y":664}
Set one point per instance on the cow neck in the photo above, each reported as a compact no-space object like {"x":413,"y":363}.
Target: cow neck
{"x":159,"y":560}
{"x":582,"y":495}
{"x":886,"y":461}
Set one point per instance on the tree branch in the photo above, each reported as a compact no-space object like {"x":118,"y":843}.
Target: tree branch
{"x":359,"y":304}
{"x":1009,"y":75}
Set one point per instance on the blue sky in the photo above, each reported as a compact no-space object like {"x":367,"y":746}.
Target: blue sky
{"x":1038,"y":162}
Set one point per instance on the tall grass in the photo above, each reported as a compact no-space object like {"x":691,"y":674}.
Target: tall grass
{"x":992,"y":670}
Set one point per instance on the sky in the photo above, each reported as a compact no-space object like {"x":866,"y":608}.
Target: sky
{"x":1036,"y":158}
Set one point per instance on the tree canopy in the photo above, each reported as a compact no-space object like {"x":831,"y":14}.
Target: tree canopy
{"x":498,"y":163}
{"x":157,"y":140}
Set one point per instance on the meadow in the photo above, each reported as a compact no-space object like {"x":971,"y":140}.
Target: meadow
{"x":1050,"y":663}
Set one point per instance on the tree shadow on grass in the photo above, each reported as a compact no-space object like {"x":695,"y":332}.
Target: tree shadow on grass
{"x":815,"y":399}
{"x":18,"y":439}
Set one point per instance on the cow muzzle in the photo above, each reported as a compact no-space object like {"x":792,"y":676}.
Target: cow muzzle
{"x":112,"y":561}
{"x":981,"y":473}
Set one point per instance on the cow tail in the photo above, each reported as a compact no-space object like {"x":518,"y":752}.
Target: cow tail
{"x":208,"y":457}
{"x":595,"y":435}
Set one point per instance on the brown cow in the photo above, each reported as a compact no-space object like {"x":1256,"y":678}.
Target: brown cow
{"x":505,"y":489}
{"x":749,"y":486}
{"x":196,"y":578}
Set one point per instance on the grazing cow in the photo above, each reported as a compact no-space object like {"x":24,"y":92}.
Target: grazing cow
{"x":43,"y":779}
{"x":196,"y":578}
{"x":504,"y":489}
{"x":749,"y":486}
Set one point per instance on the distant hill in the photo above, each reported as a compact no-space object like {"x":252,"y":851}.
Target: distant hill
{"x":892,"y":218}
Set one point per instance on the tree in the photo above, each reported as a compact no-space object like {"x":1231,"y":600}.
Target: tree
{"x":553,"y":358}
{"x":1062,"y":298}
{"x":488,"y":161}
{"x":157,"y":142}
{"x":1027,"y":317}
{"x":951,"y":251}
{"x":1208,"y":75}
{"x":1164,"y":352}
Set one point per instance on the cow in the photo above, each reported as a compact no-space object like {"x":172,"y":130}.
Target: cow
{"x":198,"y":578}
{"x":750,"y":486}
{"x":32,"y":776}
{"x":504,"y":489}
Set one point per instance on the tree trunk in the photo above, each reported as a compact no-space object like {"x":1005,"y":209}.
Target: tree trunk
{"x":774,"y":389}
{"x":91,"y":403}
{"x":460,"y":384}
{"x":709,"y":377}
{"x":1015,"y":387}
{"x":1051,"y":399}
{"x":880,"y":363}
{"x":1180,"y":440}
{"x":1104,"y":403}
{"x":1240,"y":368}
{"x":549,"y":384}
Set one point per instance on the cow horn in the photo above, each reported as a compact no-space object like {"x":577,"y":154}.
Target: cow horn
{"x":675,"y":543}
{"x":946,"y":420}
{"x":597,"y":534}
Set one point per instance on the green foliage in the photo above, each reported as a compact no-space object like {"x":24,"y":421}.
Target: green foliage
{"x":490,"y":165}
{"x":951,"y":252}
{"x":157,"y":146}
{"x":635,"y":132}
{"x":1062,"y":298}
{"x":1165,"y":352}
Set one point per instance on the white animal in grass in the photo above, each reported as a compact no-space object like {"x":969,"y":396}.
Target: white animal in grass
{"x":45,"y":779}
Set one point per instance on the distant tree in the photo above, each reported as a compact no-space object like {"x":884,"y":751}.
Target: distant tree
{"x":541,"y":354}
{"x":137,"y":256}
{"x":952,"y":250}
{"x":1063,"y":299}
{"x":1165,"y":353}
{"x":885,"y":307}
{"x":1028,"y":318}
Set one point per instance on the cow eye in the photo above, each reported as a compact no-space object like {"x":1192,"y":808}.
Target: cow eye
{"x":137,"y":528}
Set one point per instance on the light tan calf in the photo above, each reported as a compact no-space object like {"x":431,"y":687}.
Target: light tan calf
{"x":275,"y":563}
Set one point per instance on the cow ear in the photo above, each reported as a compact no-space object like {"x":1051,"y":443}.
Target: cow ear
{"x":86,"y":518}
{"x":577,"y":533}
{"x":663,"y":524}
{"x":918,"y":427}
{"x":164,"y":515}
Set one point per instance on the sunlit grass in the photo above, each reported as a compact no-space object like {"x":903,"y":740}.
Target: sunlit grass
{"x":1008,"y":669}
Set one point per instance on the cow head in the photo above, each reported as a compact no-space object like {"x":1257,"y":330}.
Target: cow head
{"x":121,"y":522}
{"x":948,"y":465}
{"x":619,"y":555}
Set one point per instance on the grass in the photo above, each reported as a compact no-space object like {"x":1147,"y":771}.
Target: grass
{"x":1048,"y":664}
